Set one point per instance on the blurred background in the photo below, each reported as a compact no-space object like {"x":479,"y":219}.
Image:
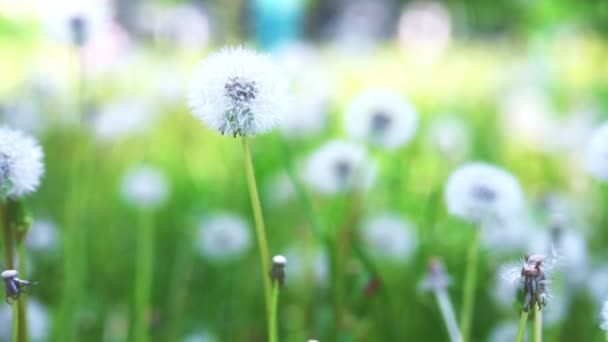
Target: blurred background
{"x":102,"y":85}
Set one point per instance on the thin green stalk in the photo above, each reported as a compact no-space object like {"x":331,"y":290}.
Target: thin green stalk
{"x":15,"y":324}
{"x":521,"y":331}
{"x":273,"y":324}
{"x":22,"y":302}
{"x":143,"y":277}
{"x":447,"y":312}
{"x":470,"y":283}
{"x":538,"y":324}
{"x":259,"y":223}
{"x":8,"y":237}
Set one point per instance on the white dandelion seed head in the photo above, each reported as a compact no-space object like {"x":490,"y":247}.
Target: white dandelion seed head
{"x":305,"y":265}
{"x":223,"y":236}
{"x":425,"y":28}
{"x":41,"y":236}
{"x":145,"y":187}
{"x":596,"y":154}
{"x":389,"y":236}
{"x":382,"y":118}
{"x":121,"y":119}
{"x":604,"y":317}
{"x":450,"y":137}
{"x":21,"y":164}
{"x":339,"y":166}
{"x":238,"y":91}
{"x":61,"y":18}
{"x":598,"y":283}
{"x":506,"y":332}
{"x":478,"y":191}
{"x":38,"y":323}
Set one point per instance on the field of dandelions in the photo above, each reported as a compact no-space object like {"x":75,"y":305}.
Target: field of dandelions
{"x":192,"y":188}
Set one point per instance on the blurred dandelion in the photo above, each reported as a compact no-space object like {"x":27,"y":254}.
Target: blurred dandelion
{"x":223,"y":236}
{"x":450,"y":137}
{"x":145,"y":187}
{"x":382,"y":118}
{"x":595,"y":155}
{"x":238,"y":92}
{"x":20,"y":164}
{"x":389,"y":236}
{"x":339,"y":166}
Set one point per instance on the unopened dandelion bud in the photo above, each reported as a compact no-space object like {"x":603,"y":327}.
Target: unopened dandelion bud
{"x":278,"y":269}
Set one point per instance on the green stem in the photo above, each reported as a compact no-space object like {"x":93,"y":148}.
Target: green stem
{"x":538,"y":324}
{"x":8,"y":237}
{"x":470,"y":282}
{"x":521,"y":331}
{"x":259,"y":223}
{"x":273,"y":325}
{"x":447,"y":313}
{"x":15,"y":324}
{"x":143,"y":277}
{"x":22,"y":302}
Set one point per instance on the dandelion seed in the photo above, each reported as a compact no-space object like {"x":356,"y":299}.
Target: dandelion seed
{"x":604,"y":317}
{"x":505,"y":332}
{"x":389,"y":236}
{"x":145,"y":187}
{"x":223,"y":236}
{"x":20,"y":164}
{"x":381,"y":117}
{"x":41,"y":236}
{"x":339,"y":166}
{"x":38,"y":322}
{"x":596,"y":156}
{"x":238,"y":92}
{"x":477,"y":192}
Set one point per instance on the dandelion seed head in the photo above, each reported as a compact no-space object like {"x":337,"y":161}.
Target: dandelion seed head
{"x":237,"y":91}
{"x":339,"y":166}
{"x":477,"y":192}
{"x":382,"y":118}
{"x":76,"y":22}
{"x":145,"y":186}
{"x":38,"y":321}
{"x":21,"y":164}
{"x":389,"y":236}
{"x":596,"y":154}
{"x":223,"y":237}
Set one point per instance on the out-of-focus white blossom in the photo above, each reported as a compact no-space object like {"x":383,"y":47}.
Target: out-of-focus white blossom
{"x":145,"y":187}
{"x":425,"y":29}
{"x":223,"y":236}
{"x":238,"y":91}
{"x":389,"y":236}
{"x":21,"y":164}
{"x":451,"y":137}
{"x":596,"y":154}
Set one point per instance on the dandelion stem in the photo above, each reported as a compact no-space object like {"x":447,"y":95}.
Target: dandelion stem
{"x":22,"y":302}
{"x":273,"y":325}
{"x":8,"y":237}
{"x":143,"y":277}
{"x":522,"y":326}
{"x":538,"y":324}
{"x":259,"y":223}
{"x":447,"y":312}
{"x":470,"y":282}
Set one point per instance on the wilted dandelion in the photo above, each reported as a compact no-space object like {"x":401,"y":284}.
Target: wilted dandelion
{"x":237,"y":91}
{"x":382,"y":118}
{"x":223,"y":236}
{"x":145,"y":187}
{"x":533,"y":276}
{"x":20,"y":164}
{"x":42,"y":236}
{"x":477,"y":191}
{"x":389,"y":236}
{"x":38,"y":322}
{"x":595,"y":155}
{"x":339,"y":166}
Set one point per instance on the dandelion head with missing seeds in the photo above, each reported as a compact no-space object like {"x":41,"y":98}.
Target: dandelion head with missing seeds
{"x":21,"y":164}
{"x":596,"y":154}
{"x":339,"y":166}
{"x":477,"y":191}
{"x":533,"y":276}
{"x":382,"y":118}
{"x":237,"y":91}
{"x":223,"y":236}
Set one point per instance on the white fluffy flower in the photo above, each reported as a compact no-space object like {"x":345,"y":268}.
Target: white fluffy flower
{"x":505,"y":332}
{"x":76,"y":21}
{"x":339,"y":166}
{"x":381,"y":117}
{"x":388,"y":235}
{"x":237,"y":91}
{"x":145,"y":187}
{"x":223,"y":236}
{"x":604,"y":317}
{"x":20,"y":163}
{"x":596,"y":156}
{"x":478,"y":191}
{"x":42,"y":235}
{"x":38,"y":323}
{"x":121,"y":119}
{"x":451,"y":137}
